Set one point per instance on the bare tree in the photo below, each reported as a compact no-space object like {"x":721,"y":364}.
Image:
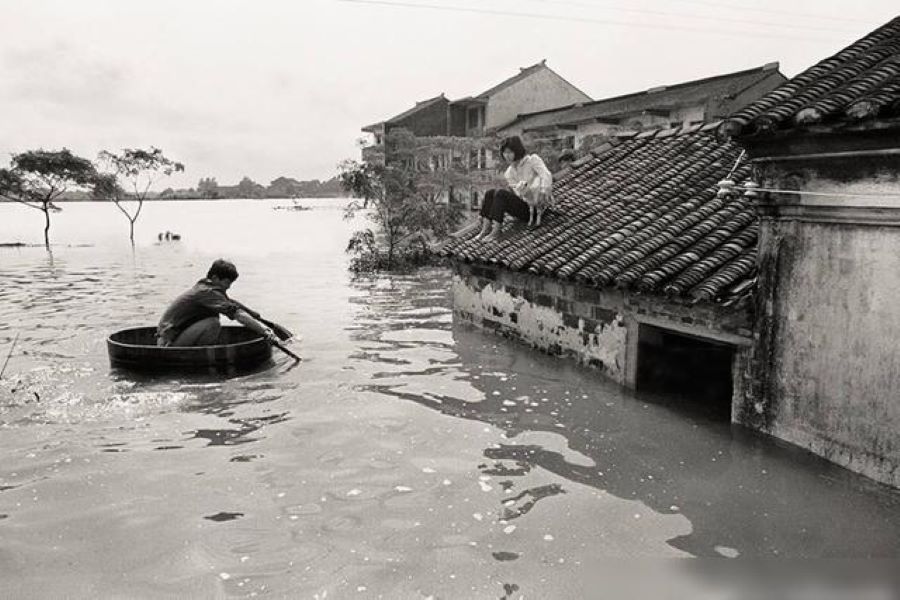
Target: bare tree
{"x":129,"y":177}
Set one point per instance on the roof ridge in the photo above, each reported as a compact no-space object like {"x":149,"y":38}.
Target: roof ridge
{"x":523,"y":72}
{"x":653,"y":132}
{"x":656,"y":89}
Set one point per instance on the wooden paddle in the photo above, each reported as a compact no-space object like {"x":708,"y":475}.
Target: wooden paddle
{"x":282,"y":333}
{"x":282,"y":347}
{"x":11,"y":348}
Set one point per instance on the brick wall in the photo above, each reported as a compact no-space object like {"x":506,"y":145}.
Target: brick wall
{"x":596,"y":327}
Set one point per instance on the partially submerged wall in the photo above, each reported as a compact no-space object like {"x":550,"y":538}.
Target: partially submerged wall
{"x":596,"y":327}
{"x":830,"y":312}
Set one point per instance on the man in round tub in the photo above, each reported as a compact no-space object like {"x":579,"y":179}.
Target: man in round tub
{"x":192,"y":319}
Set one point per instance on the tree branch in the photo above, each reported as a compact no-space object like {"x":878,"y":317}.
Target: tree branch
{"x":137,"y":213}
{"x":122,"y":208}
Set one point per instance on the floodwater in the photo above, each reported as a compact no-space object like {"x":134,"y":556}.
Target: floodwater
{"x":406,"y":457}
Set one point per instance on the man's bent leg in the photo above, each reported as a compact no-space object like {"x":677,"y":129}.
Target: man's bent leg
{"x":201,"y":333}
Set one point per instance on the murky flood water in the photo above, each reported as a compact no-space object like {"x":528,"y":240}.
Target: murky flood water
{"x":405,"y":457}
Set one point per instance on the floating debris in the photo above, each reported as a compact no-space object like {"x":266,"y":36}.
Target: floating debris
{"x":505,"y":556}
{"x":224,"y":516}
{"x":726,"y":551}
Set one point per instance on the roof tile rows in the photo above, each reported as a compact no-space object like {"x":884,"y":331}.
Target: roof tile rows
{"x":641,"y":214}
{"x":861,"y":81}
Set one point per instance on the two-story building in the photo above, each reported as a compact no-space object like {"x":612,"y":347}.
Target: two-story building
{"x":533,"y":88}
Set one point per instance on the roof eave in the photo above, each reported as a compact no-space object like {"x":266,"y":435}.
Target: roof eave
{"x":374,"y":127}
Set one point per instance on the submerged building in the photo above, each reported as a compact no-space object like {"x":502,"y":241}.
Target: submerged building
{"x":643,"y":264}
{"x":826,"y":363}
{"x":778,"y":305}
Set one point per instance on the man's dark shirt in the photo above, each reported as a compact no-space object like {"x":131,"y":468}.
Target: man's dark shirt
{"x":202,"y":301}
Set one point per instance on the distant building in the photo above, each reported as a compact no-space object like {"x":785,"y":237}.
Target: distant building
{"x":537,"y":87}
{"x":427,"y":118}
{"x":681,"y":104}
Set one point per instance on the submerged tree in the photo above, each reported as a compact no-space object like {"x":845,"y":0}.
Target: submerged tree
{"x":410,"y":197}
{"x":39,"y":177}
{"x":390,"y":194}
{"x":129,"y":177}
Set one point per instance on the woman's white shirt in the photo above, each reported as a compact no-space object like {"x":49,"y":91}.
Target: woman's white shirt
{"x":529,"y":173}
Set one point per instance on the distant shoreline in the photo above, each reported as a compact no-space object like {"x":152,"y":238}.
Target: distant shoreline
{"x":151,"y":200}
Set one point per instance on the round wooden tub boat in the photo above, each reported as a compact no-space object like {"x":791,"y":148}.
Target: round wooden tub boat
{"x":136,"y":350}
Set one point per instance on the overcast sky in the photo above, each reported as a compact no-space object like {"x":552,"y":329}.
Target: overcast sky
{"x":281,"y":87}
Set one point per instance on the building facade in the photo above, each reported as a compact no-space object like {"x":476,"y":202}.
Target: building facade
{"x":827,"y":147}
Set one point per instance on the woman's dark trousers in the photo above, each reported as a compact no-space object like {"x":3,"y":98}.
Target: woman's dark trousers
{"x":498,"y":203}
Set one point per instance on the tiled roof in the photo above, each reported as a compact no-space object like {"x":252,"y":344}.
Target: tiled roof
{"x":721,"y":87}
{"x":862,"y":81}
{"x":641,"y":214}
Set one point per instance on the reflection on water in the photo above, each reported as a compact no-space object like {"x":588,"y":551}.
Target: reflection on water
{"x":405,"y":457}
{"x":738,"y":490}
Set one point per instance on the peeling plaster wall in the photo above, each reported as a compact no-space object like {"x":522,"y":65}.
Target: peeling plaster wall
{"x":598,"y":328}
{"x":600,"y":343}
{"x":828,"y":347}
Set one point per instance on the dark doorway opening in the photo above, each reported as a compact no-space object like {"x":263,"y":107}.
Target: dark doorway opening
{"x":688,"y":372}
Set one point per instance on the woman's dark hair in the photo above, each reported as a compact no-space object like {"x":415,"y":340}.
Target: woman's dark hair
{"x":222,"y":269}
{"x":514,"y":143}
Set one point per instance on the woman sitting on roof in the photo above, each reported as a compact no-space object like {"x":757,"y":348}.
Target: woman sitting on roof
{"x":530,"y":184}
